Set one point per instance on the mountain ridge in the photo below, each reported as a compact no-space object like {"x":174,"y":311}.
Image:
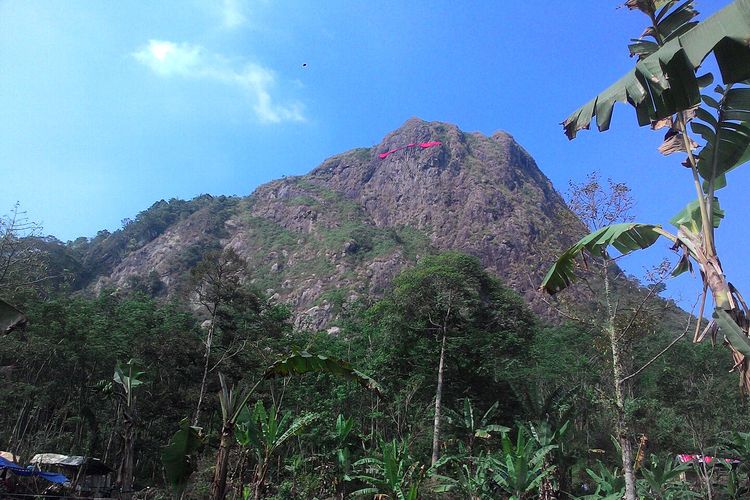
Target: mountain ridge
{"x":344,"y":230}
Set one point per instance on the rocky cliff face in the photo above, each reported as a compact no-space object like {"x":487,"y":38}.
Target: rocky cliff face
{"x":343,"y":231}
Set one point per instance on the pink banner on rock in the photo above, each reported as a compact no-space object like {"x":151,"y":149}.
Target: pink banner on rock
{"x":423,"y":145}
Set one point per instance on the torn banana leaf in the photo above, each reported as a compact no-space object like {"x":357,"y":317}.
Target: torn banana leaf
{"x":304,"y":362}
{"x":625,"y":237}
{"x":725,"y":33}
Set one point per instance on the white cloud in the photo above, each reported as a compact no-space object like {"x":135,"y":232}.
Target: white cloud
{"x":232,"y":14}
{"x":169,"y":59}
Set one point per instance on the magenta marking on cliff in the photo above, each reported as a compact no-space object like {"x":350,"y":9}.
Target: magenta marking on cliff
{"x":422,"y":145}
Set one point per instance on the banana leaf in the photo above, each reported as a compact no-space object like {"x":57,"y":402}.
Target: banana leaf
{"x":690,"y":216}
{"x":732,"y":332}
{"x":654,"y":97}
{"x":177,"y":456}
{"x":304,"y":362}
{"x":727,"y":136}
{"x":625,"y":237}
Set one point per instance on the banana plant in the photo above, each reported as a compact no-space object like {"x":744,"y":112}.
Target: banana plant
{"x":342,"y":452}
{"x":394,"y":474}
{"x":233,"y":403}
{"x":546,"y":435}
{"x":178,"y":456}
{"x":662,"y":480}
{"x":523,"y":465}
{"x":263,"y":432}
{"x":127,"y":377}
{"x":472,"y":477}
{"x":468,"y":425}
{"x":736,"y":445}
{"x":665,"y":89}
{"x":610,"y":485}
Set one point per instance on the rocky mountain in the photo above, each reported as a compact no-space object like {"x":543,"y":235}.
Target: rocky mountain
{"x":322,"y":240}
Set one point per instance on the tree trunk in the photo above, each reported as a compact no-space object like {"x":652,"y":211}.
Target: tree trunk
{"x":438,"y":402}
{"x":202,"y":393}
{"x":219,"y":484}
{"x":125,"y":478}
{"x":621,"y":424}
{"x":622,"y":428}
{"x":723,"y":295}
{"x":261,"y":477}
{"x":546,"y":487}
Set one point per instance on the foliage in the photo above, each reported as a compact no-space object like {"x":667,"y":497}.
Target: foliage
{"x":128,"y":377}
{"x":394,"y":473}
{"x":263,"y":432}
{"x":661,"y":479}
{"x":522,"y":467}
{"x":101,"y":253}
{"x":610,"y":485}
{"x":677,"y":49}
{"x":304,"y":362}
{"x":342,"y":451}
{"x":466,"y":425}
{"x":472,"y":476}
{"x":178,"y":456}
{"x":625,"y":237}
{"x":489,"y":332}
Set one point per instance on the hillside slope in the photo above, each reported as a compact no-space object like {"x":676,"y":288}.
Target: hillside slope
{"x":344,"y":230}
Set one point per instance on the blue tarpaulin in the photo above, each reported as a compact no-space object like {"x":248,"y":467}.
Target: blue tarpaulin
{"x":30,"y":471}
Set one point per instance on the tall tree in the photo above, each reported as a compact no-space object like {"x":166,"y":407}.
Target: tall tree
{"x":467,"y":317}
{"x":598,"y":207}
{"x":127,"y":378}
{"x":237,"y":314}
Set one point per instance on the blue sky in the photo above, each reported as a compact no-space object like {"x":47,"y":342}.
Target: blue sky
{"x":107,"y":107}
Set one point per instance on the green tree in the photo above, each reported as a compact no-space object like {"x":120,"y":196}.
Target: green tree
{"x":238,"y":316}
{"x":447,"y":315}
{"x":25,"y":270}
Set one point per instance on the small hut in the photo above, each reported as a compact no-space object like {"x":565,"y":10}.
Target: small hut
{"x":89,"y":476}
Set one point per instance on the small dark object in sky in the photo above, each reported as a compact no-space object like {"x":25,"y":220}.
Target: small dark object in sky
{"x":304,"y":65}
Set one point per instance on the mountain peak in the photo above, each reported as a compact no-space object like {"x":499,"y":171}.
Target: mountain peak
{"x":349,"y":226}
{"x":415,"y":131}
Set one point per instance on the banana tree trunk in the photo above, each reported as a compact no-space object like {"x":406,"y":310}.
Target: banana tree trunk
{"x":546,"y":487}
{"x":219,"y":484}
{"x":260,"y":481}
{"x":438,"y":402}
{"x":725,"y":297}
{"x":125,"y":474}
